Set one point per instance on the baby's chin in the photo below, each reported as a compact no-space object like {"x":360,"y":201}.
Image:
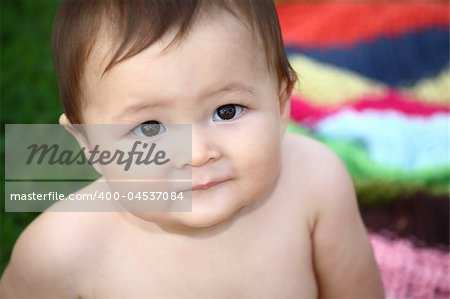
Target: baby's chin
{"x":198,"y":219}
{"x":215,"y":209}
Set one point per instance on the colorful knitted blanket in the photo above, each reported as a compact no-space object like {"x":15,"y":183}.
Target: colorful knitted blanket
{"x":374,"y":85}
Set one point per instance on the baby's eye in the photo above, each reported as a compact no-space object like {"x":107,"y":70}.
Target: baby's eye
{"x":149,"y":129}
{"x":228,"y":112}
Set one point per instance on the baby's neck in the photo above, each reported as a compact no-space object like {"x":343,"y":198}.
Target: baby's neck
{"x":179,"y":229}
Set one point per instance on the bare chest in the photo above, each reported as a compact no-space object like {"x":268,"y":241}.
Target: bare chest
{"x":252,"y":266}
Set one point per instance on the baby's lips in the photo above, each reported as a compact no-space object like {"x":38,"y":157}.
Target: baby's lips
{"x":208,"y":184}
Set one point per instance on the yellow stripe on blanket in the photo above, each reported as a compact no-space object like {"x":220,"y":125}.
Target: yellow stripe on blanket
{"x":326,"y":85}
{"x":432,"y":90}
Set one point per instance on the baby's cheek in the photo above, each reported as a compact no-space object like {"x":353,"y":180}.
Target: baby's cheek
{"x":257,"y":149}
{"x":263,"y":164}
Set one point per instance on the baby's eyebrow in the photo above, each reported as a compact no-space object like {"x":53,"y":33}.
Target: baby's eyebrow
{"x":231,"y":87}
{"x":132,"y":109}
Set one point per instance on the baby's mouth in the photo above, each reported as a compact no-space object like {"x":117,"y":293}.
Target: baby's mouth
{"x":205,"y":186}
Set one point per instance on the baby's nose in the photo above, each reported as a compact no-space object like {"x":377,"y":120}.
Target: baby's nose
{"x":204,"y":148}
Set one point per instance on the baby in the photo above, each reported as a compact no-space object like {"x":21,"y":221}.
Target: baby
{"x":273,"y":215}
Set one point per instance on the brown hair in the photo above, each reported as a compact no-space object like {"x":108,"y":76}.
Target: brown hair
{"x":137,"y":25}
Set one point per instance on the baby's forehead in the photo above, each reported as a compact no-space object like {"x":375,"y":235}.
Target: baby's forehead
{"x":212,"y":30}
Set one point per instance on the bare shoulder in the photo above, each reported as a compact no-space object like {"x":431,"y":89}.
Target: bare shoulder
{"x":324,"y":176}
{"x":317,"y":167}
{"x":312,"y":155}
{"x":327,"y":179}
{"x":339,"y":237}
{"x":51,"y":254}
{"x":310,"y":171}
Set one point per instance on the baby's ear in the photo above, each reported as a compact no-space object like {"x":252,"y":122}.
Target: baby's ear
{"x":76,"y":131}
{"x":285,"y":103}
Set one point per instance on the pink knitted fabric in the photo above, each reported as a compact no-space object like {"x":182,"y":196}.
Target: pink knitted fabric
{"x":411,"y":272}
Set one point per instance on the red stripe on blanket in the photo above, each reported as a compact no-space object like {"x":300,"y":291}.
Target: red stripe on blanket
{"x":334,"y":24}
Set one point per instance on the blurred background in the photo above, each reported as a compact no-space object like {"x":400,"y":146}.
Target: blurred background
{"x":374,"y":85}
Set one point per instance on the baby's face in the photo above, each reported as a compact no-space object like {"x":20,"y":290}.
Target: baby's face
{"x":217,"y":80}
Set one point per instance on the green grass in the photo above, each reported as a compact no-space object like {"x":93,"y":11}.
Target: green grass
{"x":28,"y":87}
